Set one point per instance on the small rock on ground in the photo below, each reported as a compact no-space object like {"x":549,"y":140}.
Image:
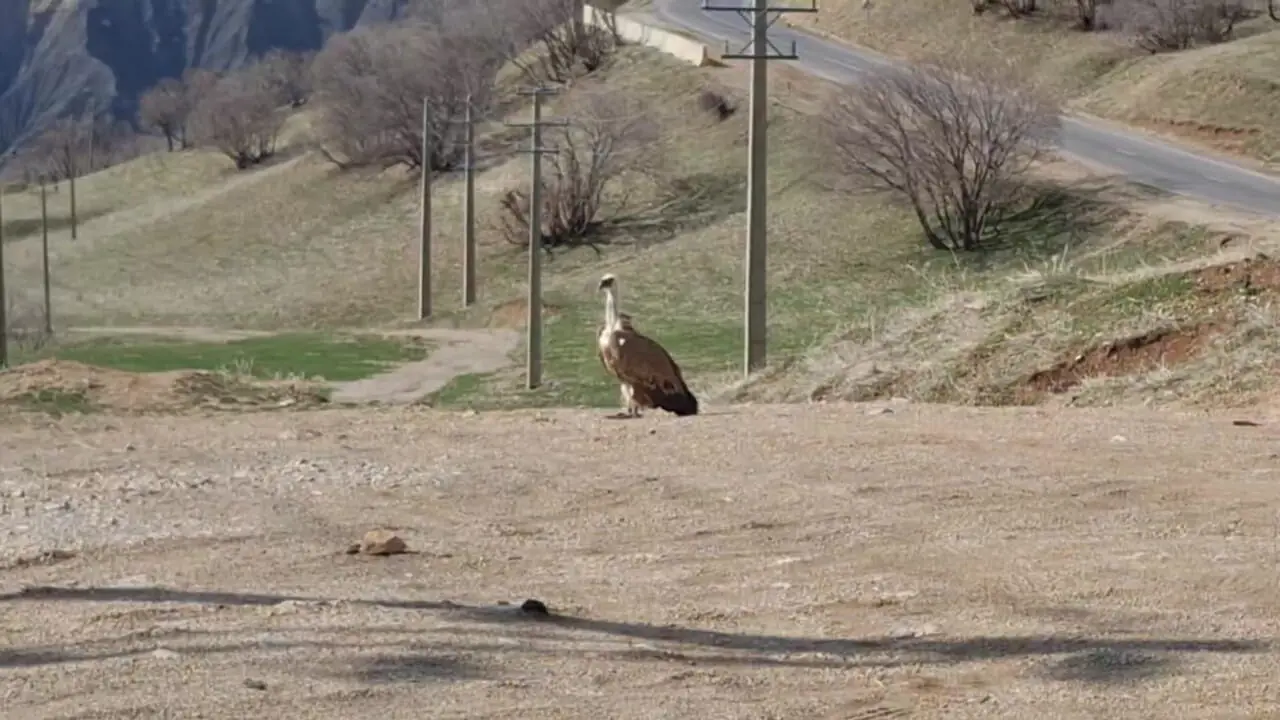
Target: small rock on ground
{"x":382,"y":542}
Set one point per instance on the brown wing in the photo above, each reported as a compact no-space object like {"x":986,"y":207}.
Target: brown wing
{"x":653,"y":375}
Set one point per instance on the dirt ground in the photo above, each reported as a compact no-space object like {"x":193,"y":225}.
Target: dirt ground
{"x":823,"y":561}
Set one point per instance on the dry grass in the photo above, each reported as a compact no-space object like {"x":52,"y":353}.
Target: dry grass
{"x":1223,"y":96}
{"x":798,"y":562}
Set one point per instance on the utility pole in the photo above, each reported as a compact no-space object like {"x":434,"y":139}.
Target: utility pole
{"x":4,"y":298}
{"x":761,"y":17}
{"x":533,"y":358}
{"x":71,"y":186}
{"x":44,"y":252}
{"x":469,"y":212}
{"x":424,"y":227}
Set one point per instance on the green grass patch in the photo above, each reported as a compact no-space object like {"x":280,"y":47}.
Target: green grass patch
{"x":303,"y":355}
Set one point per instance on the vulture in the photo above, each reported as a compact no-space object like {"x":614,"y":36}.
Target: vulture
{"x":649,"y":377}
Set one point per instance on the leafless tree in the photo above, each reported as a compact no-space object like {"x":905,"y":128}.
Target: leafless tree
{"x":1171,"y":25}
{"x":238,"y":118}
{"x":163,"y":109}
{"x":954,"y":144}
{"x":608,"y":134}
{"x":373,"y":81}
{"x":63,"y":149}
{"x":547,"y":39}
{"x":287,"y":76}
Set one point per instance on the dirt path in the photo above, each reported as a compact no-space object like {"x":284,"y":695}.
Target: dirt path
{"x":802,"y":561}
{"x":458,"y":352}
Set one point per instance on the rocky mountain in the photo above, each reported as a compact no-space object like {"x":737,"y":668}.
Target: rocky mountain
{"x":59,"y":57}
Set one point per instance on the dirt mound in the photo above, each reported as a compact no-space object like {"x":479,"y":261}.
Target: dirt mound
{"x":1128,"y":356}
{"x":61,"y":386}
{"x":1250,"y":276}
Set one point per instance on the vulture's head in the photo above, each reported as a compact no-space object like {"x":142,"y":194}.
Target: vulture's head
{"x":607,"y":283}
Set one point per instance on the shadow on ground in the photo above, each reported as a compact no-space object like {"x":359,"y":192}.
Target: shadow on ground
{"x":1087,"y":659}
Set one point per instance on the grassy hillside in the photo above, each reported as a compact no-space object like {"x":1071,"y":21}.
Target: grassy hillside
{"x":858,"y":307}
{"x":1222,"y":96}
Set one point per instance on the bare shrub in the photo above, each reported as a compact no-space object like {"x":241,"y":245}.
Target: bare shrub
{"x":1018,"y":8}
{"x":163,"y":109}
{"x":238,"y":118}
{"x":1086,"y":14}
{"x":373,"y":82}
{"x":25,"y":331}
{"x":953,"y":146}
{"x":608,"y":135}
{"x":717,"y":103}
{"x":61,"y":151}
{"x":286,"y":76}
{"x":548,"y":40}
{"x":1171,"y":25}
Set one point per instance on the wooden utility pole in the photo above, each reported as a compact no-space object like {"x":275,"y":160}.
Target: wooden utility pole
{"x":44,"y":253}
{"x":424,"y":227}
{"x":4,"y":297}
{"x":469,"y":212}
{"x":533,"y":356}
{"x":761,"y":17}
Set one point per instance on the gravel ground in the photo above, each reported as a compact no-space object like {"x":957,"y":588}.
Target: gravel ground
{"x":837,"y":561}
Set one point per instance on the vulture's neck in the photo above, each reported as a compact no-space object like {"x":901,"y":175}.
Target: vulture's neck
{"x":611,"y":319}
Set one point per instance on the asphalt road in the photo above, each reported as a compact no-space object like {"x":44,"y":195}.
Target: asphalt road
{"x":1138,"y":158}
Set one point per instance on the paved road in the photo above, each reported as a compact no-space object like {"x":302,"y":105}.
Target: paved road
{"x":1138,"y":158}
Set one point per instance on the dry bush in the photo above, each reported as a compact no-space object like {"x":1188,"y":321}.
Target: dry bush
{"x":608,"y":134}
{"x":373,"y":82}
{"x":74,"y":146}
{"x":167,"y":107}
{"x":163,"y":109}
{"x":1019,"y":8}
{"x":1171,"y":25}
{"x":287,"y":76}
{"x":1086,"y":14}
{"x":238,"y":118}
{"x":24,"y":328}
{"x":717,"y":103}
{"x":562,"y":43}
{"x":954,"y":146}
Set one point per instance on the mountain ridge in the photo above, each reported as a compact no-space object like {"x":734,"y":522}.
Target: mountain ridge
{"x":63,"y":57}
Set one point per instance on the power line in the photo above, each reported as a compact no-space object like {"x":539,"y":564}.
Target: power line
{"x":761,"y":17}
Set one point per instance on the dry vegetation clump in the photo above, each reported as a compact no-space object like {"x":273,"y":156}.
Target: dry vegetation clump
{"x":372,"y":88}
{"x":607,"y":134}
{"x":240,"y":119}
{"x":61,"y":386}
{"x":954,"y":144}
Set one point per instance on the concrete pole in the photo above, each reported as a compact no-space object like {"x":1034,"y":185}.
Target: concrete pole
{"x":4,"y":304}
{"x":44,"y":251}
{"x":533,"y":365}
{"x":424,"y":228}
{"x":469,"y":213}
{"x":756,"y":301}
